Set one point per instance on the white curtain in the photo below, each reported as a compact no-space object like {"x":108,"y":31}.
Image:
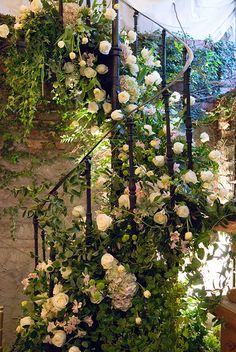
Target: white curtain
{"x":199,"y":18}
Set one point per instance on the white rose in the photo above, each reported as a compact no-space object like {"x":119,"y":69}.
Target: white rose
{"x":145,"y":53}
{"x":60,"y":301}
{"x":204,"y":137}
{"x":36,"y":6}
{"x":26,"y":321}
{"x":110,"y":14}
{"x":131,"y":107}
{"x":152,"y":78}
{"x":89,"y":72}
{"x":61,"y":44}
{"x":182,"y":211}
{"x":99,"y":94}
{"x":206,"y":176}
{"x":178,"y":148}
{"x":160,"y":217}
{"x":131,"y":59}
{"x":104,"y":47}
{"x":215,"y":155}
{"x":4,"y":31}
{"x":123,"y":97}
{"x":59,"y":338}
{"x":74,"y":349}
{"x":107,"y":261}
{"x":107,"y":107}
{"x":103,"y":222}
{"x":190,"y":177}
{"x":159,"y":160}
{"x":124,"y":201}
{"x":117,"y":115}
{"x":134,"y":69}
{"x":79,"y":211}
{"x":102,"y":69}
{"x":132,"y":36}
{"x":72,"y":55}
{"x":148,"y":129}
{"x":65,"y":272}
{"x":147,"y":294}
{"x":84,"y":40}
{"x":58,"y":288}
{"x":188,"y":236}
{"x":175,"y":97}
{"x":93,"y":107}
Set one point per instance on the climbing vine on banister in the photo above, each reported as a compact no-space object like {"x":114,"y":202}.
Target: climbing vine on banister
{"x":129,"y":281}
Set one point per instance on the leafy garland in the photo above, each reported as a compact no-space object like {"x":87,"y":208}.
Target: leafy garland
{"x":117,"y":288}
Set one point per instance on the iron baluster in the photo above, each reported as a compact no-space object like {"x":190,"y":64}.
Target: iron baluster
{"x":88,"y":196}
{"x":1,"y":328}
{"x":88,"y":2}
{"x":136,"y":16}
{"x":43,"y":235}
{"x":187,"y":112}
{"x":166,"y":95}
{"x":36,"y":239}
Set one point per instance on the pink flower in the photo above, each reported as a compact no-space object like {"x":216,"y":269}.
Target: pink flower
{"x":76,"y":306}
{"x":81,"y":334}
{"x":88,"y":320}
{"x":86,"y":279}
{"x":51,"y":327}
{"x":25,"y":283}
{"x":174,"y":237}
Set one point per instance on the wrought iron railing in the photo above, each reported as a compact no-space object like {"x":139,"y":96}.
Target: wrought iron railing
{"x":164,"y":93}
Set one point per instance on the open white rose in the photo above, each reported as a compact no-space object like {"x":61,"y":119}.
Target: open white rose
{"x":204,"y":137}
{"x":26,"y":321}
{"x":59,"y":338}
{"x":152,"y":78}
{"x":160,"y":217}
{"x":93,"y":107}
{"x":104,"y":47}
{"x":79,"y":211}
{"x":103,"y":222}
{"x":108,"y":261}
{"x":66,"y":272}
{"x":178,"y":148}
{"x":124,"y":201}
{"x":117,"y":115}
{"x":207,"y":176}
{"x":132,"y":36}
{"x":159,"y":160}
{"x":110,"y":14}
{"x":131,"y":59}
{"x":74,"y":349}
{"x":215,"y":155}
{"x":190,"y":177}
{"x":99,"y":94}
{"x":89,"y":72}
{"x":4,"y":31}
{"x":182,"y":211}
{"x":36,"y":6}
{"x":60,"y":301}
{"x":107,"y":107}
{"x":102,"y":69}
{"x":123,"y":97}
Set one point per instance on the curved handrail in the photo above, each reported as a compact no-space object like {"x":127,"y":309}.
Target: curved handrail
{"x":154,"y":97}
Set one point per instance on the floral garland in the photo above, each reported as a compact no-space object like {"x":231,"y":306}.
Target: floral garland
{"x":122,"y":291}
